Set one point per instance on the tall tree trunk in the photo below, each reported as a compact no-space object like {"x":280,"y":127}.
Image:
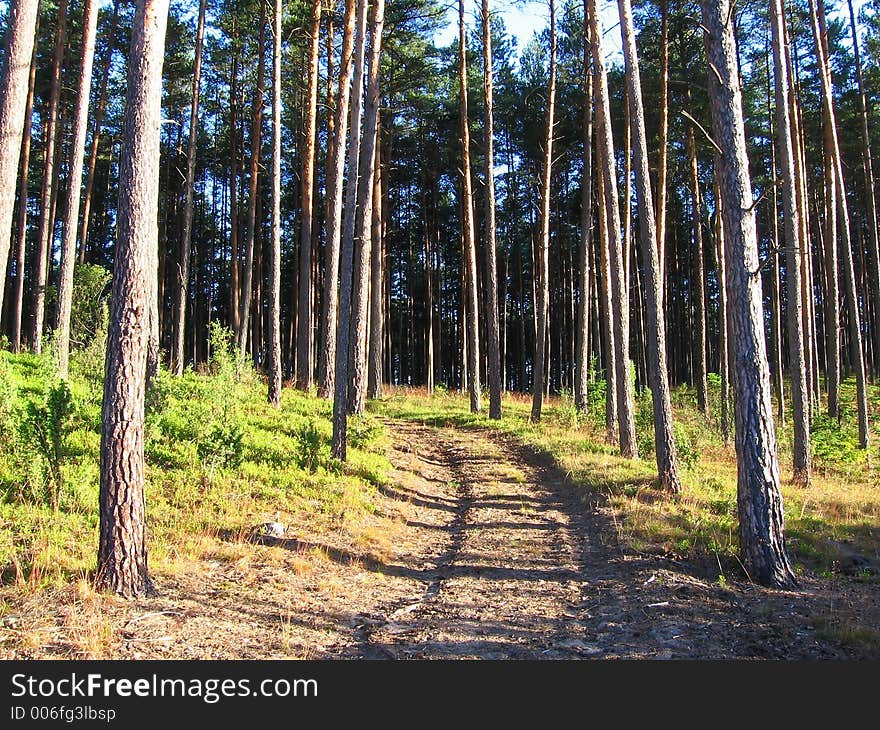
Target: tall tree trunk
{"x":234,"y":256}
{"x":604,"y":276}
{"x":274,"y":344}
{"x":182,"y":288}
{"x":47,"y":217}
{"x":492,"y":335}
{"x":841,"y":206}
{"x":761,"y":519}
{"x":699,"y":283}
{"x":247,"y":272}
{"x":662,"y":167}
{"x":21,"y":240}
{"x":335,"y":174}
{"x":377,"y":276}
{"x":470,"y":250}
{"x":870,"y":188}
{"x":664,"y":440}
{"x":68,"y":245}
{"x":122,"y":550}
{"x":582,"y":355}
{"x":22,"y":22}
{"x":346,"y":252}
{"x":543,"y":258}
{"x":794,"y":275}
{"x":304,"y":368}
{"x":619,"y":294}
{"x":98,"y":122}
{"x":366,"y":185}
{"x":724,"y":353}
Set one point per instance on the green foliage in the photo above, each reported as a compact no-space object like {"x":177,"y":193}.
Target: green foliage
{"x":46,"y":426}
{"x":833,"y":442}
{"x":686,"y":444}
{"x":88,"y":310}
{"x":222,"y":445}
{"x":312,"y":449}
{"x":363,"y":431}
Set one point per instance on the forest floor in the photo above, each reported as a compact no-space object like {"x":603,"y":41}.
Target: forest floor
{"x":480,"y":547}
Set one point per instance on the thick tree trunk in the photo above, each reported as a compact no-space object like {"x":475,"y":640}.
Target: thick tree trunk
{"x":664,"y":440}
{"x":304,"y":367}
{"x":122,"y":550}
{"x":247,"y":271}
{"x":68,"y":245}
{"x":335,"y":174}
{"x":21,"y":239}
{"x":619,"y":295}
{"x":274,"y":344}
{"x":346,"y":252}
{"x":543,"y":259}
{"x":761,"y":528}
{"x":22,"y":22}
{"x":47,"y":200}
{"x":181,"y":294}
{"x":794,"y":274}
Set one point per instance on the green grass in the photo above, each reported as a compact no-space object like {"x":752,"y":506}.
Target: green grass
{"x":220,"y":460}
{"x":832,"y":526}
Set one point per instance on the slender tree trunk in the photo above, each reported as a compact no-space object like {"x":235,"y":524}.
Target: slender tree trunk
{"x":470,"y":250}
{"x":611,"y":430}
{"x":68,"y":245}
{"x":366,"y":184}
{"x":304,"y":367}
{"x":96,"y":136}
{"x":582,"y":355}
{"x":274,"y":344}
{"x":761,"y":520}
{"x":182,"y":288}
{"x":346,"y":252}
{"x":47,"y":218}
{"x":377,"y":276}
{"x":122,"y":550}
{"x":699,"y":283}
{"x":234,"y":256}
{"x":21,"y":241}
{"x":493,"y":366}
{"x":619,"y":294}
{"x":22,"y":23}
{"x":335,"y":173}
{"x":543,"y":269}
{"x":723,"y":328}
{"x":664,"y":440}
{"x":841,"y":207}
{"x":663,"y":164}
{"x":244,"y":314}
{"x":794,"y":275}
{"x":870,"y":189}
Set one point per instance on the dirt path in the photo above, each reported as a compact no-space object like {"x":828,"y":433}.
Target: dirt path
{"x":479,"y":548}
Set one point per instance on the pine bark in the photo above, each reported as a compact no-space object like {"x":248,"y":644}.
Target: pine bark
{"x":304,"y":361}
{"x":247,"y":271}
{"x":47,"y":199}
{"x":68,"y":244}
{"x":346,"y":252}
{"x":619,"y":310}
{"x":472,"y":341}
{"x":22,"y":22}
{"x":21,"y":237}
{"x":182,"y":288}
{"x":335,"y":175}
{"x":377,"y":278}
{"x":761,"y":517}
{"x":543,"y":258}
{"x":122,"y":550}
{"x":274,"y":344}
{"x":794,"y":273}
{"x":664,"y":440}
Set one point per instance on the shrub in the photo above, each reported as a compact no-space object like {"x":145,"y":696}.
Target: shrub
{"x":222,"y":445}
{"x":46,"y":426}
{"x":363,"y":431}
{"x":311,"y":449}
